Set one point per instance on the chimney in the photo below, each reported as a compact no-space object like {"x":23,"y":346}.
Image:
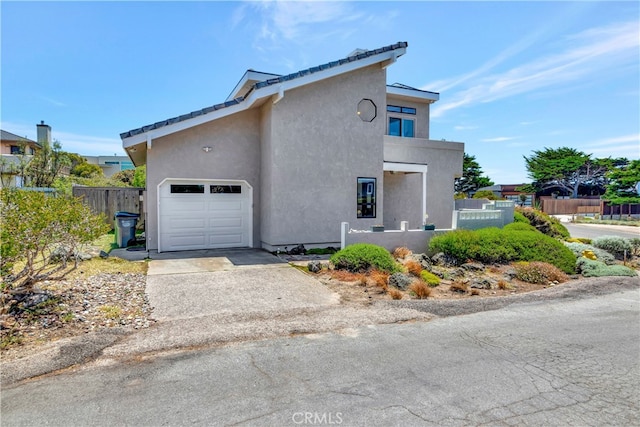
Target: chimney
{"x":44,"y":133}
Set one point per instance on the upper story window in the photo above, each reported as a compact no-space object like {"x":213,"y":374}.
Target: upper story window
{"x":399,"y":125}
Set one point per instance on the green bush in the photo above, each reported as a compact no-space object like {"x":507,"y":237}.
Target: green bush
{"x":518,"y":217}
{"x":493,"y":245}
{"x":539,"y":272}
{"x":429,"y":278}
{"x":361,"y":257}
{"x":545,"y":223}
{"x":615,"y":245}
{"x":519,"y":226}
{"x":591,"y":268}
{"x":485,"y":194}
{"x":40,"y":234}
{"x":602,"y":255}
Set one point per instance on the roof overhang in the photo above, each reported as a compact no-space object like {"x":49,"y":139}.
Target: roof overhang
{"x":413,"y":94}
{"x":134,"y":145}
{"x":249,"y":78}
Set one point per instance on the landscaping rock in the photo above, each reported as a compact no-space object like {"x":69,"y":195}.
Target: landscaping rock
{"x":400,"y":280}
{"x":441,"y":259}
{"x":473,"y":266}
{"x":423,"y":259}
{"x":298,"y":250}
{"x":510,"y":274}
{"x":481,"y":284}
{"x":314,"y":266}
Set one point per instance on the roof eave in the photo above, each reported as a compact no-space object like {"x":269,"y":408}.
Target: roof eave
{"x":413,"y":94}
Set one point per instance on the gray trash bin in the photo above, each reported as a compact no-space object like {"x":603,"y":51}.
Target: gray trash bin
{"x":125,"y":228}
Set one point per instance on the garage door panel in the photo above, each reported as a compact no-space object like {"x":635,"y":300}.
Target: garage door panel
{"x":206,"y":220}
{"x":226,"y":223}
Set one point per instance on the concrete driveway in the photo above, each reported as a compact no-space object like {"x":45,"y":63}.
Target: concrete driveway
{"x":230,"y":283}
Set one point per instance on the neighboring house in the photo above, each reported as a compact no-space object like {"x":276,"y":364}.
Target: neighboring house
{"x":287,"y":158}
{"x":16,"y":152}
{"x":510,"y":192}
{"x":110,"y":164}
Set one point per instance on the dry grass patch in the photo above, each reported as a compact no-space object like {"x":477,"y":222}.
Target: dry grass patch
{"x":401,"y":252}
{"x":380,"y":279}
{"x":421,"y":289}
{"x":111,"y":265}
{"x":413,"y":267}
{"x":503,"y":285}
{"x":395,"y":293}
{"x":459,"y":287}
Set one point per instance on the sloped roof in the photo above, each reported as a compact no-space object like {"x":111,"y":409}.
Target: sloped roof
{"x":260,"y":85}
{"x":8,"y":136}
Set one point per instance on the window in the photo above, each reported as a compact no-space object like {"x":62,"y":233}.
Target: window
{"x":225,"y":189}
{"x":187,"y":189}
{"x":403,"y":110}
{"x":366,"y":197}
{"x":16,"y":150}
{"x":401,"y":127}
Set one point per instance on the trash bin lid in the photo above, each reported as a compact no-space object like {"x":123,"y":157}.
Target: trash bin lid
{"x":120,"y":214}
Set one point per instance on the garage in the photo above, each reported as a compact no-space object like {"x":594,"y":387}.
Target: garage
{"x":204,"y":214}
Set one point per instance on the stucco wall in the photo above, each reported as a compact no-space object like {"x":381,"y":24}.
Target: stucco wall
{"x":235,"y":154}
{"x":317,"y":147}
{"x":444,"y":160}
{"x":402,"y":199}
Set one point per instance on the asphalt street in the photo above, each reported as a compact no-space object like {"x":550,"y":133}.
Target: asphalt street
{"x":591,"y":231}
{"x":563,"y":362}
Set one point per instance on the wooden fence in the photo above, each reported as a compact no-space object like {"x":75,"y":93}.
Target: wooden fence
{"x":552,"y":206}
{"x":109,"y":200}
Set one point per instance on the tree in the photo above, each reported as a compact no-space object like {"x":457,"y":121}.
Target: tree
{"x":125,"y":176}
{"x":485,"y":194}
{"x":472,"y":178}
{"x":46,"y":165}
{"x":567,"y":169}
{"x":80,"y":167}
{"x":140,"y":177}
{"x":624,"y":184}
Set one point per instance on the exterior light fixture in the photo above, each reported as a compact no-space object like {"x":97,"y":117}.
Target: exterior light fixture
{"x":206,"y":149}
{"x":367,"y":110}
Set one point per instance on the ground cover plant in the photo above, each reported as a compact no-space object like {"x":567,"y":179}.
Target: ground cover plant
{"x":539,"y":272}
{"x":615,"y":245}
{"x":579,"y":250}
{"x":593,"y":268}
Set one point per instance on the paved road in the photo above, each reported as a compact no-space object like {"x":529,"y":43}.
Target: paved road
{"x":568,"y":362}
{"x":592,"y":231}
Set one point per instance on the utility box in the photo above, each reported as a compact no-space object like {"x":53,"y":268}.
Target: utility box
{"x":125,"y":228}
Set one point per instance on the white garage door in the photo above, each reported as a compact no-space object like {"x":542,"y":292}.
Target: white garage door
{"x":204,"y":215}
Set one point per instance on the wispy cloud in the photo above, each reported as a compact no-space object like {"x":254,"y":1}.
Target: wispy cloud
{"x":465,"y":127}
{"x":499,"y":139}
{"x":584,"y":55}
{"x":72,"y":142}
{"x":618,"y":146}
{"x":53,"y":101}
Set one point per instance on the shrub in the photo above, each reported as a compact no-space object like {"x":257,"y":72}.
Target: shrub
{"x":429,"y":278}
{"x":519,"y":226}
{"x":485,"y":194}
{"x":578,"y":250}
{"x":518,"y":217}
{"x":590,"y":268}
{"x":635,"y":245}
{"x":41,"y":234}
{"x":493,"y":245}
{"x":539,"y":272}
{"x":420,"y":288}
{"x":544,"y":223}
{"x":615,"y":245}
{"x":362,"y":257}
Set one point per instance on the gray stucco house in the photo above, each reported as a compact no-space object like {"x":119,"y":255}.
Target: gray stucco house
{"x":286,"y":158}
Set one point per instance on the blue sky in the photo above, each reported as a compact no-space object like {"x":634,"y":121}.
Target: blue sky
{"x":512,"y":76}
